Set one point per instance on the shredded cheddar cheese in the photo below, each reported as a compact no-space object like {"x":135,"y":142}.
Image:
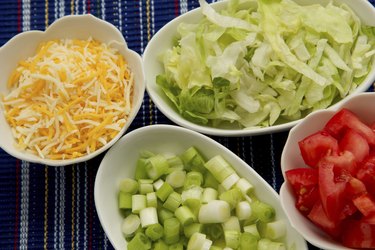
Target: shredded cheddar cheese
{"x":70,"y":99}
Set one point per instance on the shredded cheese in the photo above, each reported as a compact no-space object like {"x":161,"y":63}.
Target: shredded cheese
{"x":68,"y":100}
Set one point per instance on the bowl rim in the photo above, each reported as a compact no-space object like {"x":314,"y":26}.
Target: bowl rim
{"x":120,"y":41}
{"x":286,"y":190}
{"x":168,"y":109}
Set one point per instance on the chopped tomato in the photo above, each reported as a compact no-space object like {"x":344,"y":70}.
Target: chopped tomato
{"x":331,"y":191}
{"x":304,"y":182}
{"x":365,"y":204}
{"x":306,"y":201}
{"x":346,"y":119}
{"x":316,"y":146}
{"x":354,"y":143}
{"x":357,"y":234}
{"x":366,"y":173}
{"x":344,"y":162}
{"x":302,"y":179}
{"x":355,"y":188}
{"x":370,"y":219}
{"x":320,"y":218}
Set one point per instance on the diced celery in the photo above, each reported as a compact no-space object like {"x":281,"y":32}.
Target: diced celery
{"x":232,"y":224}
{"x":210,"y":180}
{"x":164,"y":191}
{"x":219,"y":168}
{"x":130,"y":225}
{"x":173,"y":201}
{"x":193,"y":179}
{"x":248,"y":241}
{"x":164,"y":214}
{"x":232,"y":196}
{"x":140,"y":170}
{"x":129,"y":185}
{"x":148,"y":216}
{"x":139,"y":242}
{"x":209,"y":194}
{"x":213,"y":230}
{"x":232,"y":238}
{"x":275,"y":229}
{"x":171,"y":230}
{"x":184,"y":215}
{"x":145,"y":186}
{"x":138,"y":202}
{"x":193,"y":160}
{"x":151,"y":200}
{"x":176,"y":178}
{"x":124,"y":200}
{"x":190,"y":229}
{"x":156,"y":166}
{"x":155,"y":231}
{"x":263,"y":211}
{"x":160,"y":245}
{"x":253,"y":229}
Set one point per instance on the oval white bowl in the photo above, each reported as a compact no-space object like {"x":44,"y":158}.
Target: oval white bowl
{"x":163,"y":39}
{"x":120,"y":161}
{"x":291,"y":158}
{"x":25,"y":44}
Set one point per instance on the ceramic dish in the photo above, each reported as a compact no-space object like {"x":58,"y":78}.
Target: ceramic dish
{"x":120,"y":161}
{"x":291,"y":158}
{"x":24,"y":45}
{"x":164,"y":39}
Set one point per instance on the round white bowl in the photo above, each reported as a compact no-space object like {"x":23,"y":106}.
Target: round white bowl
{"x":120,"y":161}
{"x":291,"y":158}
{"x":25,"y":44}
{"x":164,"y":38}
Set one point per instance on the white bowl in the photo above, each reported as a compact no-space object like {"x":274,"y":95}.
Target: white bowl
{"x":120,"y":161}
{"x":164,"y":38}
{"x":291,"y":158}
{"x":24,"y":45}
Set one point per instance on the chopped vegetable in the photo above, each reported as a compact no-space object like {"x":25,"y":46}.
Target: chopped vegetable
{"x":271,"y":63}
{"x":192,"y":214}
{"x":336,"y":192}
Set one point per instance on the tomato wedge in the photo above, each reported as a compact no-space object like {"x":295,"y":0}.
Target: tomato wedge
{"x":346,"y":119}
{"x":365,"y":204}
{"x":344,"y":162}
{"x":332,"y":192}
{"x":319,"y":217}
{"x":316,"y":146}
{"x":356,"y":144}
{"x":358,"y":234}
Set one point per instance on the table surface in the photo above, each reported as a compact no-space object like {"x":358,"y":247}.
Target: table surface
{"x":53,"y":207}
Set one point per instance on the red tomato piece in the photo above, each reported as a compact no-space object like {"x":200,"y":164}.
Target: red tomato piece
{"x":306,"y":201}
{"x":365,"y":204}
{"x":355,"y":143}
{"x":302,"y":179}
{"x":355,"y":188}
{"x":344,"y":161}
{"x":316,"y":146}
{"x":346,"y":119}
{"x":357,"y":234}
{"x":304,"y":182}
{"x":319,"y":217}
{"x":370,"y":219}
{"x":332,"y":192}
{"x":366,"y":174}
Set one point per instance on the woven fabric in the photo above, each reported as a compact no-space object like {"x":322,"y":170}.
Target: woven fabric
{"x":53,"y":208}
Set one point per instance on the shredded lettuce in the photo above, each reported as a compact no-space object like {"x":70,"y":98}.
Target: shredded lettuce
{"x":263,"y":62}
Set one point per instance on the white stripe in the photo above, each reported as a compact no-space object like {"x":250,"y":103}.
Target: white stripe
{"x":26,"y":16}
{"x":56,"y":211}
{"x":183,"y":6}
{"x":77,"y":212}
{"x":55,"y":9}
{"x":120,"y":16}
{"x":103,"y":9}
{"x":85,"y":209}
{"x":62,"y":209}
{"x":141,"y":24}
{"x":152,"y":17}
{"x":273,"y":163}
{"x":76,"y":4}
{"x":61,"y":8}
{"x":24,"y":220}
{"x":251,"y":152}
{"x":83,"y":7}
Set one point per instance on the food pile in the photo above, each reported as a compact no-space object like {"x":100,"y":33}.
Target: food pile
{"x":69,"y":99}
{"x":185,"y":202}
{"x":262,"y":63}
{"x":337,"y":191}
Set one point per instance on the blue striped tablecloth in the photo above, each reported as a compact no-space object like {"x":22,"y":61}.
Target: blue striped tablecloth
{"x":53,"y":208}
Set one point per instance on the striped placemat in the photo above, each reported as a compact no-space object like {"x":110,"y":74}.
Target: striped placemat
{"x":53,"y":208}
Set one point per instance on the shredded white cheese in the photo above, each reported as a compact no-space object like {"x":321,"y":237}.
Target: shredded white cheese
{"x":70,"y":99}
